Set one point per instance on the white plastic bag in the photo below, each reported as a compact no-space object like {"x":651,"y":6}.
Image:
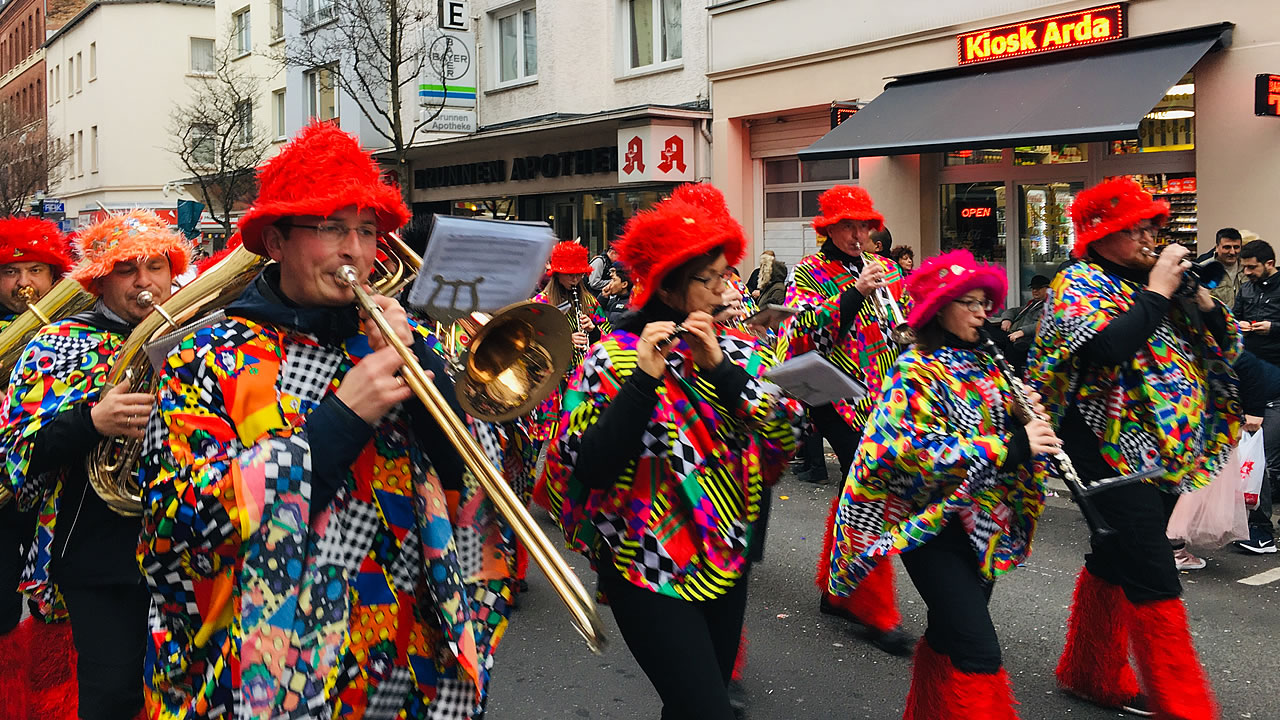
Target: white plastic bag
{"x":1253,"y":463}
{"x":1214,"y":515}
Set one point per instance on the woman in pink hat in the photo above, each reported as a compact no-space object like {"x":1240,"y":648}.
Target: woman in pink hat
{"x":949,"y":476}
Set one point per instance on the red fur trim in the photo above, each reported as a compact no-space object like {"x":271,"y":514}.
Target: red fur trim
{"x":15,"y":690}
{"x":1171,"y":674}
{"x":320,"y":171}
{"x":1110,"y":207}
{"x":874,"y":602}
{"x":1095,"y":662}
{"x":569,"y":258}
{"x":133,"y":235}
{"x":37,"y":672}
{"x":845,"y":202}
{"x":522,"y":561}
{"x":657,"y":241}
{"x":941,"y":692}
{"x":740,"y":661}
{"x":29,"y":239}
{"x":823,"y":577}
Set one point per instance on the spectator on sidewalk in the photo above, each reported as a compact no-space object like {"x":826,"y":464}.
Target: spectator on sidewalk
{"x":616,"y":296}
{"x":600,"y":266}
{"x":1260,"y":396}
{"x":1226,"y":250}
{"x":905,"y":257}
{"x":1257,"y":305}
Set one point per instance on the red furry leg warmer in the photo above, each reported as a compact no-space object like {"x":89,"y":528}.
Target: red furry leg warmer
{"x":740,"y":662}
{"x":1095,"y":662}
{"x":941,"y":692}
{"x":522,"y":561}
{"x":37,"y":672}
{"x":1171,"y":674}
{"x":874,"y":603}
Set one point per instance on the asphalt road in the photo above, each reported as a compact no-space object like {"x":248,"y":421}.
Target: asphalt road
{"x":806,"y":666}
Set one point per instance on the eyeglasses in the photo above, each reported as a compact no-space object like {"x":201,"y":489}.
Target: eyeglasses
{"x":974,"y":306}
{"x":707,"y":281}
{"x":1136,"y":232}
{"x":335,"y":232}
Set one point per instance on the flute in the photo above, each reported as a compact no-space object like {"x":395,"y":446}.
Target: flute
{"x":681,"y":330}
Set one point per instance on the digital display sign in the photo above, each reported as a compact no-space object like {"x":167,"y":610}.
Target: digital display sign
{"x":1266,"y":95}
{"x":840,"y":113}
{"x":1057,"y":32}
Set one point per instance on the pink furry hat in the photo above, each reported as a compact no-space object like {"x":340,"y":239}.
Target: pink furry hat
{"x":941,"y":279}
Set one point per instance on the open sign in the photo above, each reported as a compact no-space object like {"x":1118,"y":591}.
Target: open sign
{"x":976,"y":212}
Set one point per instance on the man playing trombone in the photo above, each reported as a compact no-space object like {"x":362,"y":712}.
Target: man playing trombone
{"x":56,"y":409}
{"x":847,"y":297}
{"x":313,"y":544}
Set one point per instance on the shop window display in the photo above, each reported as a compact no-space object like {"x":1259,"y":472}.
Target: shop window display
{"x":973,"y":219}
{"x":1045,"y":230}
{"x":989,"y":156}
{"x":1050,"y":154}
{"x":1170,"y":126}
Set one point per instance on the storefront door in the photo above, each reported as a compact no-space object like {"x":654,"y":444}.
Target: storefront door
{"x":1045,"y":233}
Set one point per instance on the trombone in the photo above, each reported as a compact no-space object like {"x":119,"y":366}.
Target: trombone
{"x":581,"y":607}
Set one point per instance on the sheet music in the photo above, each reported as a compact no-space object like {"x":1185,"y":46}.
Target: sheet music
{"x":477,"y":265}
{"x":814,"y":381}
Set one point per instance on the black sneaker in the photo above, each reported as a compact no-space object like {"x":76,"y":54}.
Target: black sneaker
{"x":1260,"y":542}
{"x":894,"y":641}
{"x":1137,"y":706}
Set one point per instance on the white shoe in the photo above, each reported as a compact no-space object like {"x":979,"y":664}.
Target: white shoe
{"x":1183,"y":558}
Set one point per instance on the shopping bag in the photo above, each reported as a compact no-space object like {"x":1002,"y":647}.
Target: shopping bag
{"x":1253,"y":463}
{"x":1214,"y":515}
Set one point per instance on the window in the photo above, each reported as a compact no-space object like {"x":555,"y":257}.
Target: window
{"x":71,"y":88}
{"x":79,"y":72}
{"x":202,"y":58}
{"x":322,"y":94}
{"x":791,"y":187}
{"x":517,"y":44}
{"x":244,"y":122}
{"x":53,"y":88}
{"x":277,"y":19}
{"x":240,"y":32}
{"x":653,"y":32}
{"x":93,"y":149}
{"x":317,"y":12}
{"x":80,"y":153}
{"x":71,"y":154}
{"x":203,"y":145}
{"x":93,"y":61}
{"x":277,"y":105}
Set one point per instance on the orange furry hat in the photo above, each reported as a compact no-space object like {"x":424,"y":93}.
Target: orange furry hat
{"x":319,"y":172}
{"x":134,"y":235}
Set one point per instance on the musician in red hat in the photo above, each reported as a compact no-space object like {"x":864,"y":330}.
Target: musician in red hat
{"x":839,"y":291}
{"x":1134,"y":364}
{"x":668,"y":439}
{"x":33,"y":256}
{"x":57,"y":408}
{"x":315,"y":547}
{"x":950,"y":475}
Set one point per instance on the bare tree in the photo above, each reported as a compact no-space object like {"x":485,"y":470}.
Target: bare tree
{"x":375,"y":51}
{"x":216,"y":137}
{"x":30,"y":160}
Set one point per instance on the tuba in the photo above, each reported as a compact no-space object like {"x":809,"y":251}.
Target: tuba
{"x":515,"y":359}
{"x":65,"y":299}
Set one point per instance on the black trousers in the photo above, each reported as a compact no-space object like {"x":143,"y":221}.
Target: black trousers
{"x":109,"y":630}
{"x":686,"y":648}
{"x":17,"y":530}
{"x":844,"y":439}
{"x":945,"y":572}
{"x":1138,"y":557}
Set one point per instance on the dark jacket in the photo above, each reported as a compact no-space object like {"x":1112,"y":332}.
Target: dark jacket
{"x":1259,"y":383}
{"x":1260,"y":300}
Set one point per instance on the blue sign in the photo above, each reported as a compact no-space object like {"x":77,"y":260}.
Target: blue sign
{"x":54,"y":206}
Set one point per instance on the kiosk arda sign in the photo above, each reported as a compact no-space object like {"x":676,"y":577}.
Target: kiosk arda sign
{"x":1046,"y":34}
{"x":1266,"y":95}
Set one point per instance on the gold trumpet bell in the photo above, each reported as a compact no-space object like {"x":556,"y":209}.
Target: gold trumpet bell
{"x":514,"y":361}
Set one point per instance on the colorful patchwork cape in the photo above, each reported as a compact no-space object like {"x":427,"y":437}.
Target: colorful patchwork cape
{"x":387,"y":604}
{"x":932,"y":453}
{"x":545,"y":420}
{"x":679,"y":520}
{"x":865,"y":352}
{"x":65,"y":364}
{"x":1175,"y":405}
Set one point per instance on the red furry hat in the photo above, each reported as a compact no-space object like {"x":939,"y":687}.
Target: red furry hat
{"x":1110,"y":207}
{"x":939,"y":280}
{"x":28,"y":239}
{"x":569,"y":258}
{"x":845,"y":202}
{"x":661,"y":239}
{"x":135,"y":235}
{"x":319,"y":172}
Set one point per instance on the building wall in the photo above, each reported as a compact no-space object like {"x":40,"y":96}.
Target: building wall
{"x":849,"y":54}
{"x":261,"y":64}
{"x":22,"y":85}
{"x":130,"y":101}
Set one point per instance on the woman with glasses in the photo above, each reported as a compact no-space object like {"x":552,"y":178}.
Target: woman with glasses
{"x":666,"y":445}
{"x":949,"y":477}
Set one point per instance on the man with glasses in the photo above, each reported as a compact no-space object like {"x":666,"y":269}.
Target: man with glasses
{"x":313,"y":543}
{"x":841,"y":318}
{"x":1136,"y":376}
{"x":1257,"y":306}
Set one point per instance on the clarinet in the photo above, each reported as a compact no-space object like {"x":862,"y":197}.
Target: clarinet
{"x":575,"y":309}
{"x":1099,"y":530}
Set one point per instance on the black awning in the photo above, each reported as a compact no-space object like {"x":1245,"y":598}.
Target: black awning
{"x":1080,"y":95}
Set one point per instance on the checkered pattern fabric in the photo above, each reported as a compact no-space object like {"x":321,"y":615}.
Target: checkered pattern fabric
{"x":454,"y":700}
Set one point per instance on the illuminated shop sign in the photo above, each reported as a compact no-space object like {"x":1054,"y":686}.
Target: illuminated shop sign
{"x":1266,"y":95}
{"x":1086,"y":27}
{"x":840,"y":113}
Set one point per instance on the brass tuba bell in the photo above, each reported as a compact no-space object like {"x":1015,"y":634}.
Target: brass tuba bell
{"x":515,"y":359}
